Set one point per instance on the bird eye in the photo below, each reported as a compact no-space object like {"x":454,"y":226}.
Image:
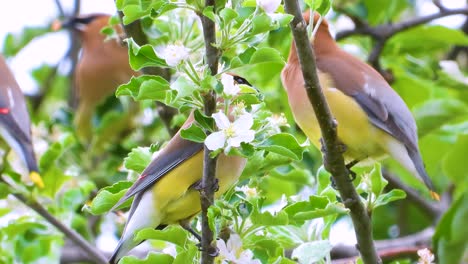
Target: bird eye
{"x":240,"y":80}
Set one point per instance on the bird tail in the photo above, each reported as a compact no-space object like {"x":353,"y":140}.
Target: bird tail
{"x":29,"y":157}
{"x":142,"y":215}
{"x":421,"y":170}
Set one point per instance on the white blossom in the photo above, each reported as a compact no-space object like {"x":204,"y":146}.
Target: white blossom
{"x":230,"y":134}
{"x":232,"y":252}
{"x":230,"y":88}
{"x":269,"y":6}
{"x":275,"y":122}
{"x":238,"y":109}
{"x":425,"y":256}
{"x":175,"y":54}
{"x":249,"y":192}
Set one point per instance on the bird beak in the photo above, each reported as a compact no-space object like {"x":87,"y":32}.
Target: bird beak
{"x":69,"y":23}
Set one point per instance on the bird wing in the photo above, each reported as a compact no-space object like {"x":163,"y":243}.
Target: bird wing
{"x":12,"y":99}
{"x":177,"y":151}
{"x":384,"y":107}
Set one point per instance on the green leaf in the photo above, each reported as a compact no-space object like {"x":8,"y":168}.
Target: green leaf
{"x":451,"y":237}
{"x":266,"y":55}
{"x":317,"y":206}
{"x":146,"y":87}
{"x":378,"y":182}
{"x":432,"y":114}
{"x":227,"y":15}
{"x":143,"y":56}
{"x":152,"y":258}
{"x":260,"y":24}
{"x":204,"y":121}
{"x":4,"y":190}
{"x":138,"y":159}
{"x":283,"y":144}
{"x":13,"y":43}
{"x":209,"y":13}
{"x":172,"y":234}
{"x":268,"y":219}
{"x":108,"y":197}
{"x":393,"y":195}
{"x":434,"y":37}
{"x":193,"y":133}
{"x":454,"y":162}
{"x":320,"y":6}
{"x":311,"y":252}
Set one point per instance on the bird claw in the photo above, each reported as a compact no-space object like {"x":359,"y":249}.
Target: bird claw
{"x":212,"y":251}
{"x":199,"y":186}
{"x":351,"y":173}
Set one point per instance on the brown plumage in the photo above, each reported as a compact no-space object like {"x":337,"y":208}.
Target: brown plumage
{"x":15,"y":125}
{"x":372,"y":118}
{"x":102,"y":67}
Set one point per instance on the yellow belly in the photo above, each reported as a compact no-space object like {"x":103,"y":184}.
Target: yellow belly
{"x":362,"y":139}
{"x":173,"y":195}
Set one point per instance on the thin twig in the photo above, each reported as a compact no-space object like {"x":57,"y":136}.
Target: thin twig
{"x":427,"y":207}
{"x":89,"y":249}
{"x":382,"y":33}
{"x":166,"y":113}
{"x":209,"y":183}
{"x":420,"y":239}
{"x":389,"y":30}
{"x":333,"y":149}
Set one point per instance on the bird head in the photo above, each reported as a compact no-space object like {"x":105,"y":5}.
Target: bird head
{"x":87,"y":25}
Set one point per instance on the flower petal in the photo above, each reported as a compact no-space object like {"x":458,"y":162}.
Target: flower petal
{"x":244,"y":136}
{"x":215,"y":140}
{"x":222,"y":122}
{"x":244,"y":122}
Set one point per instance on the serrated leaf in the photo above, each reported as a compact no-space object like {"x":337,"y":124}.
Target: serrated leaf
{"x":172,"y":234}
{"x":312,"y":252}
{"x":143,"y":56}
{"x":378,"y":182}
{"x":146,"y":87}
{"x":138,"y":159}
{"x":391,"y":196}
{"x":451,"y":237}
{"x":193,"y":133}
{"x":204,"y":121}
{"x":4,"y":190}
{"x":315,"y":207}
{"x":260,"y":24}
{"x":108,"y":197}
{"x":227,"y":15}
{"x":269,"y":219}
{"x":283,"y":144}
{"x":152,"y":258}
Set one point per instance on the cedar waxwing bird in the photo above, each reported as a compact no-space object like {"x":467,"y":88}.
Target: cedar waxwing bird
{"x":15,"y":125}
{"x":372,"y":118}
{"x":166,"y":192}
{"x":102,"y":67}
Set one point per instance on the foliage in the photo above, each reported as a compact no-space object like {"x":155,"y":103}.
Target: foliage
{"x":284,"y":201}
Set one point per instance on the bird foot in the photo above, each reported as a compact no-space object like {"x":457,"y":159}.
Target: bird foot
{"x":212,"y":251}
{"x":351,"y":173}
{"x":199,"y":186}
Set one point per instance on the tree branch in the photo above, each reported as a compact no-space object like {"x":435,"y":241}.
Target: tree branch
{"x":166,"y":113}
{"x":382,"y":33}
{"x":418,"y":240}
{"x":427,"y":207}
{"x":333,"y":149}
{"x":209,"y":182}
{"x":86,"y":247}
